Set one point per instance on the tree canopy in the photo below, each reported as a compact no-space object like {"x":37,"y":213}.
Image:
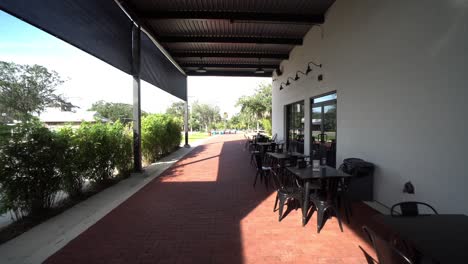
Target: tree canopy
{"x":204,"y":116}
{"x":177,"y":109}
{"x":256,"y":107}
{"x":114,"y":111}
{"x":28,"y":89}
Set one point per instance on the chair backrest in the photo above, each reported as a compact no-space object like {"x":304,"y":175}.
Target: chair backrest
{"x":272,"y":147}
{"x":276,"y":180}
{"x":410,"y":208}
{"x":369,"y":259}
{"x":258,"y":160}
{"x":386,"y":253}
{"x":274,"y":137}
{"x":329,"y":187}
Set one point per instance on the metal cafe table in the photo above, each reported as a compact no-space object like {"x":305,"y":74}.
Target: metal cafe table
{"x":442,"y":238}
{"x":307,"y":175}
{"x":279,"y":159}
{"x":263,"y":146}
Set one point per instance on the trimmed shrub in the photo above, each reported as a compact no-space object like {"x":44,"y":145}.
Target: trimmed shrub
{"x":160,"y":135}
{"x":121,"y":137}
{"x":101,"y":149}
{"x":29,"y":175}
{"x":71,"y":166}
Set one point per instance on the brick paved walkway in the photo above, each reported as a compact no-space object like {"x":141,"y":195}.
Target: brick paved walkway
{"x":205,"y":210}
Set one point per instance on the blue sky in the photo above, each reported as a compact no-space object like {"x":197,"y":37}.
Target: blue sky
{"x":90,"y":79}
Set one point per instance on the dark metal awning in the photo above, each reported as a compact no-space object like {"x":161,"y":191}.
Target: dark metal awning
{"x":204,"y":37}
{"x":229,"y":38}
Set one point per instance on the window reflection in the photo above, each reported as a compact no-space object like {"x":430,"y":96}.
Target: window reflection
{"x":295,"y":127}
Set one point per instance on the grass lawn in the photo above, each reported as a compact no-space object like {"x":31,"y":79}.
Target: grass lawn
{"x":194,"y":136}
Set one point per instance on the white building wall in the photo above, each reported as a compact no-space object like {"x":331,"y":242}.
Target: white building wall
{"x":400,"y":72}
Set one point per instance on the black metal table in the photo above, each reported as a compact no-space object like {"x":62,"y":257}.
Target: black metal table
{"x":307,"y":175}
{"x":263,"y":146}
{"x":443,"y":238}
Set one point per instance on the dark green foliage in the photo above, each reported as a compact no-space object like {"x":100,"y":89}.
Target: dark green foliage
{"x":29,"y":175}
{"x":101,"y":149}
{"x":160,"y":135}
{"x":114,"y":111}
{"x":35,"y":163}
{"x":71,"y":167}
{"x":28,"y":89}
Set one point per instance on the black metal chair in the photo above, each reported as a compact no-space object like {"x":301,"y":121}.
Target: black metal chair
{"x":369,"y":258}
{"x":262,"y":171}
{"x":410,"y":208}
{"x":326,"y":200}
{"x":285,"y":194}
{"x":386,"y":253}
{"x":254,"y":150}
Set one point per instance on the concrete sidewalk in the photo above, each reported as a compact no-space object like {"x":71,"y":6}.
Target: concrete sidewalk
{"x":37,"y":244}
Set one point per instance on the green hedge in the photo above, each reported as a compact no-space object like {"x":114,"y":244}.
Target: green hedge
{"x":36,"y":163}
{"x":160,"y":135}
{"x":29,"y":175}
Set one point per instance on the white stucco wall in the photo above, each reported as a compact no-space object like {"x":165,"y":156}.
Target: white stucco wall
{"x":400,"y":69}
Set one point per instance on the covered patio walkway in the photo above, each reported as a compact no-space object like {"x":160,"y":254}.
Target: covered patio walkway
{"x":205,"y":210}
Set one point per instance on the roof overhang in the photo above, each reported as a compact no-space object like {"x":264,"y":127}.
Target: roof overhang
{"x":224,"y":38}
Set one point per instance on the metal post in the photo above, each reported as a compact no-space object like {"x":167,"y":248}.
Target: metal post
{"x":136,"y":38}
{"x":186,"y":117}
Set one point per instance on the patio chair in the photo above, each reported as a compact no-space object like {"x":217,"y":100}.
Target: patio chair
{"x":254,"y":150}
{"x":262,"y":171}
{"x":326,"y":200}
{"x":386,"y":253}
{"x":285,"y":194}
{"x":369,"y":258}
{"x":273,"y":139}
{"x":410,"y":208}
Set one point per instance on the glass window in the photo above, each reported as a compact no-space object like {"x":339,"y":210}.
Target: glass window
{"x":323,"y":128}
{"x":295,"y":127}
{"x":324,"y":98}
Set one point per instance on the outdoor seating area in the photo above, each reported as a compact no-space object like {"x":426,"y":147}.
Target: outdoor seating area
{"x":405,"y":234}
{"x":359,"y":148}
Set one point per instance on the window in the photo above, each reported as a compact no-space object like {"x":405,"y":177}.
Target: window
{"x":323,"y":127}
{"x":295,"y":127}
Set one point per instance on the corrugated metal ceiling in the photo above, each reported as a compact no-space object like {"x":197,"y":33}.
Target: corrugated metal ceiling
{"x":229,"y":37}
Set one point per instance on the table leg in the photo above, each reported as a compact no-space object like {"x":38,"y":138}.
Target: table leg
{"x":306,"y":203}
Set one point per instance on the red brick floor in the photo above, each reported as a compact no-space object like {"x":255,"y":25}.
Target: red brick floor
{"x":205,"y":210}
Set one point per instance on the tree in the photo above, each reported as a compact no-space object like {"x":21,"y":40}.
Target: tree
{"x":258,"y":105}
{"x":205,"y":115}
{"x":114,"y":111}
{"x":177,"y":109}
{"x":26,"y":90}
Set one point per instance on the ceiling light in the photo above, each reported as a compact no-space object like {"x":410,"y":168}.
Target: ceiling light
{"x":201,"y":70}
{"x":259,"y":71}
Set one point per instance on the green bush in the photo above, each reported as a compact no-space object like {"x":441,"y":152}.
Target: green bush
{"x":266,"y":124}
{"x":160,"y":135}
{"x":101,"y":149}
{"x":29,"y":175}
{"x":71,"y":166}
{"x":121,"y":137}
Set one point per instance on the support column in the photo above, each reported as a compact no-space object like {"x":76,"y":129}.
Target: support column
{"x":136,"y":39}
{"x":186,"y":117}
